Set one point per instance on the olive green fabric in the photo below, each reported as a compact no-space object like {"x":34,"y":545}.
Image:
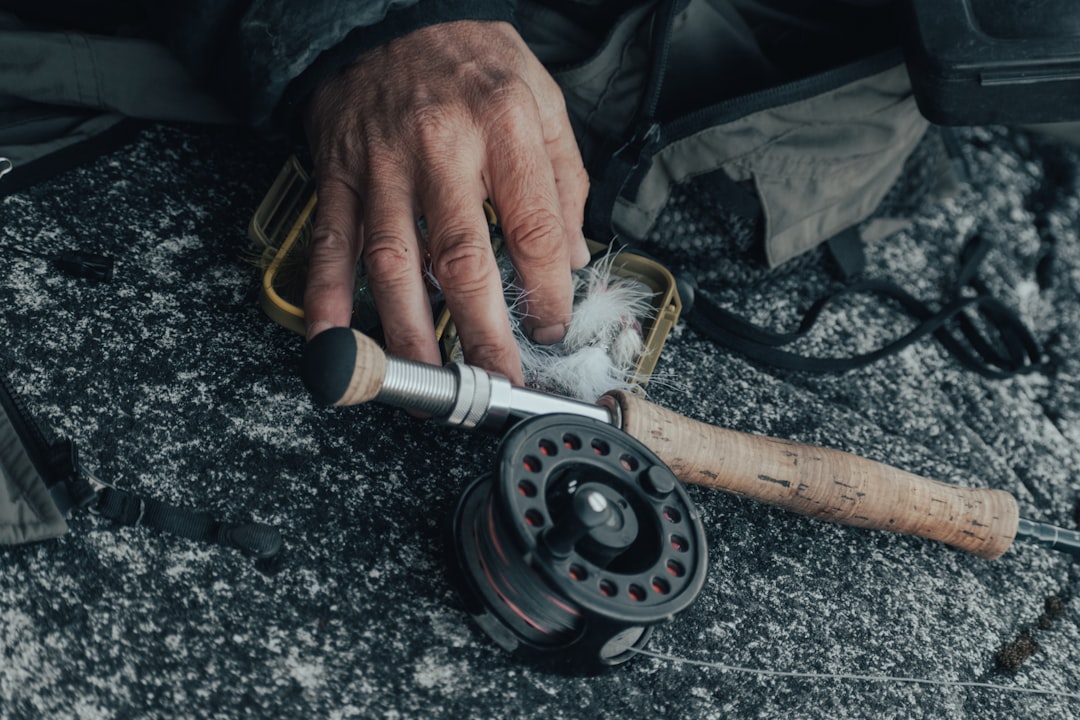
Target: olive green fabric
{"x":603,"y":94}
{"x":130,"y":76}
{"x":27,"y":510}
{"x":818,"y":166}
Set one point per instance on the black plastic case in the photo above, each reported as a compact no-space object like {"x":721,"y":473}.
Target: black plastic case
{"x":975,"y":62}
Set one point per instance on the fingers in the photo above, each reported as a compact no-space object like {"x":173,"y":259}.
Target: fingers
{"x":392,"y":260}
{"x":572,"y":184}
{"x":571,"y":178}
{"x":523,"y":187}
{"x":467,"y":113}
{"x":464,"y":264}
{"x":335,"y":249}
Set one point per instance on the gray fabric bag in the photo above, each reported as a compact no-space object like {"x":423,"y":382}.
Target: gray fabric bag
{"x":653,"y":106}
{"x":661,"y":101}
{"x":27,"y":509}
{"x":61,"y":90}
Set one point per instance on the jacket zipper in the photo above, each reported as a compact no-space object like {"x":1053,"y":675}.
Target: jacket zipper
{"x":661,"y":32}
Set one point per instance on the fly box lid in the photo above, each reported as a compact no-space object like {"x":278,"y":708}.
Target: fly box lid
{"x":979,"y":62}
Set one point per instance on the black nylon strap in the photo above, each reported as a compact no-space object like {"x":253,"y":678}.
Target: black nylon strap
{"x":626,"y":164}
{"x":846,"y":250}
{"x":995,"y":343}
{"x":608,"y":186}
{"x":127,"y":508}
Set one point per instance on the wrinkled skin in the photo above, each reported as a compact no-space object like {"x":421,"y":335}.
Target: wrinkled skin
{"x":431,"y":125}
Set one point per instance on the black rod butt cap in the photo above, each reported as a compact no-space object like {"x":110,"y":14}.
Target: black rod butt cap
{"x":328,"y":364}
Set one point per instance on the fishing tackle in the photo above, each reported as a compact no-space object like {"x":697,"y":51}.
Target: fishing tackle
{"x":576,"y":545}
{"x":343,"y":367}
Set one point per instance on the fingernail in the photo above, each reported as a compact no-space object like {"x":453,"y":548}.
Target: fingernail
{"x":317,"y":327}
{"x":549,"y":334}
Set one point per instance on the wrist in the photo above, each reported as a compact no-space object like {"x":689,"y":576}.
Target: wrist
{"x":396,"y":24}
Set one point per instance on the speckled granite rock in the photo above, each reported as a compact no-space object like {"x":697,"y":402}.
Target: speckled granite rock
{"x":175,"y":384}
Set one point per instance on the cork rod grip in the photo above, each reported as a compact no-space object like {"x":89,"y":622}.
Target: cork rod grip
{"x":822,"y":483}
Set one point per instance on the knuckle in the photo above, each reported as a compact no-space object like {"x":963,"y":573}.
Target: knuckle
{"x":534,"y":236}
{"x":384,"y":160}
{"x":436,"y":136}
{"x":487,"y":353}
{"x":465,"y":265}
{"x":432,"y":125}
{"x":332,"y":241}
{"x":388,"y":259}
{"x":554,"y":108}
{"x":508,"y":91}
{"x":426,"y":116}
{"x":338,"y":152}
{"x":513,"y":106}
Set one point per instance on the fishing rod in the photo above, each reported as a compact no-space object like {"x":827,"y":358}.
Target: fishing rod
{"x":344,"y":367}
{"x":581,"y":539}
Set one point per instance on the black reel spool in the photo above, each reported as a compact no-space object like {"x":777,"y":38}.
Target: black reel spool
{"x":579,"y":542}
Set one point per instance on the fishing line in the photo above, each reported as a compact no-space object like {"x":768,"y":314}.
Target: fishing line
{"x":581,"y":540}
{"x":725,"y":667}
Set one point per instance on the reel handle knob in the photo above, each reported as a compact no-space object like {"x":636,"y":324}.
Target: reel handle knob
{"x":589,"y":509}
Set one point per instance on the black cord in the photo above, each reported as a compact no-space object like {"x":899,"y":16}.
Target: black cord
{"x":75,"y":263}
{"x":996,"y":345}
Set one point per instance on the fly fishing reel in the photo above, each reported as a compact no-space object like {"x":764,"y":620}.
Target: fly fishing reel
{"x":578,"y":543}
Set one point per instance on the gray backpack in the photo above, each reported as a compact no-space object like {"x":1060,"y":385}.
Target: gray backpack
{"x":28,"y":511}
{"x":815,"y":155}
{"x":673,"y":92}
{"x":700,"y":91}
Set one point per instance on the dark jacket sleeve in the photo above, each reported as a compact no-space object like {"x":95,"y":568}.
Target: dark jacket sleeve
{"x":264,"y":57}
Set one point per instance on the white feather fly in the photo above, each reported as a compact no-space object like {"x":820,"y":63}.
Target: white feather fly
{"x":603,"y":342}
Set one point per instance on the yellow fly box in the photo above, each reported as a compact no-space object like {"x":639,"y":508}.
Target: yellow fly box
{"x":282,"y":226}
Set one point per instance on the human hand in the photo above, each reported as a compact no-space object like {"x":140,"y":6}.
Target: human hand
{"x":433,"y":124}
